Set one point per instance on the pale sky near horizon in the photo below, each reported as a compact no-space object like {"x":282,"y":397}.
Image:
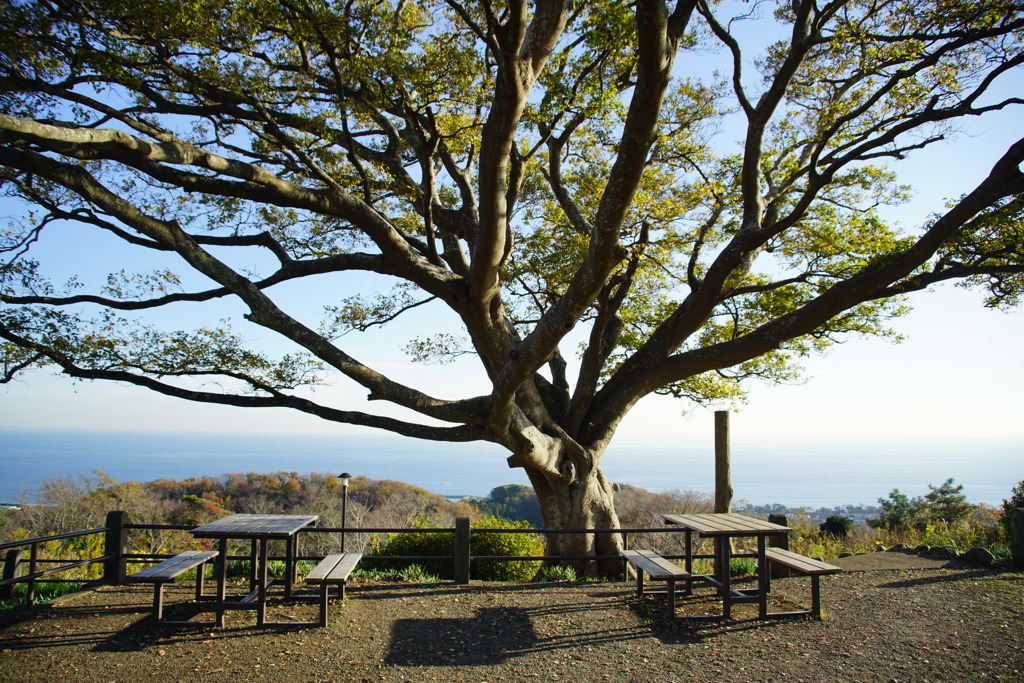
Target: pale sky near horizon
{"x":959,"y":373}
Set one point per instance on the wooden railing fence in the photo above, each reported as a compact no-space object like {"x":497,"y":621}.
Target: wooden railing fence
{"x":21,"y":567}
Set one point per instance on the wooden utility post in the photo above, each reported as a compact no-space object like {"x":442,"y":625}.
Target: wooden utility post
{"x":723,"y":473}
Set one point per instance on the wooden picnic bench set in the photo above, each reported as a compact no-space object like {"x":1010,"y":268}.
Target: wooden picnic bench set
{"x":333,"y":570}
{"x":722,"y":528}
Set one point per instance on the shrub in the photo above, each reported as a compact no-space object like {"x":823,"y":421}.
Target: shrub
{"x":512,"y":501}
{"x":742,"y":566}
{"x":942,"y":504}
{"x":837,"y":526}
{"x":44,"y":590}
{"x":557,"y":573}
{"x":426,"y":543}
{"x":413,"y":573}
{"x":1016,"y":500}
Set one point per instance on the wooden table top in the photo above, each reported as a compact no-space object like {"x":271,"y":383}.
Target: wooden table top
{"x":254,"y":526}
{"x":726,"y":524}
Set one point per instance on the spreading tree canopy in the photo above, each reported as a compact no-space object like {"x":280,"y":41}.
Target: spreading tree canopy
{"x":547,"y":172}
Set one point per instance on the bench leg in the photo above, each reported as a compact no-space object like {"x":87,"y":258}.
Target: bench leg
{"x":640,"y":583}
{"x":670,"y":599}
{"x":815,"y":610}
{"x":158,"y":600}
{"x":324,"y":590}
{"x":763,"y":578}
{"x":200,"y":575}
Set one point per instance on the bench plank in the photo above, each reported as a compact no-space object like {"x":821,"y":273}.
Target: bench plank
{"x":333,"y":570}
{"x":654,"y":565}
{"x":804,"y":565}
{"x":173,"y":567}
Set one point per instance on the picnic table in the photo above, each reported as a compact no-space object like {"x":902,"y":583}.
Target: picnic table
{"x":722,"y":528}
{"x":259,"y":530}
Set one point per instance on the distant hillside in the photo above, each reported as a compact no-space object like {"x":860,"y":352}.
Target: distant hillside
{"x":66,"y":504}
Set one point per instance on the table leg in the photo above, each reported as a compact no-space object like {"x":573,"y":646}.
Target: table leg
{"x":688,"y":562}
{"x":763,"y":577}
{"x":222,"y":575}
{"x":723,"y":548}
{"x":289,"y":565}
{"x":261,"y":607}
{"x":253,"y":566}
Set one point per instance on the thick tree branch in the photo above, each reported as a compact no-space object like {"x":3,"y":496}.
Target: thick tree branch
{"x":656,"y":54}
{"x":635,"y":379}
{"x":275,"y":399}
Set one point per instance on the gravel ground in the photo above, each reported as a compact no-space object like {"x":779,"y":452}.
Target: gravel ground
{"x":921,"y":624}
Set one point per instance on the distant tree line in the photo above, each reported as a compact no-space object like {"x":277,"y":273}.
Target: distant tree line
{"x":64,"y":504}
{"x":69,"y":504}
{"x":942,"y":504}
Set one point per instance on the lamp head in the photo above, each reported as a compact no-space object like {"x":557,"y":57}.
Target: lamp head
{"x":344,"y":476}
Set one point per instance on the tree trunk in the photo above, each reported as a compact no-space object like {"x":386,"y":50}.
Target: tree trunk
{"x":584,"y":500}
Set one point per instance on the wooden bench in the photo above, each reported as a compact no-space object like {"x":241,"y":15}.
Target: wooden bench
{"x":658,"y":568}
{"x":333,"y":570}
{"x":802,"y":565}
{"x":168,"y":571}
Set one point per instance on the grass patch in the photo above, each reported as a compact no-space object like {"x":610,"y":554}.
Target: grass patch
{"x":557,"y":573}
{"x":45,"y":590}
{"x":413,"y":573}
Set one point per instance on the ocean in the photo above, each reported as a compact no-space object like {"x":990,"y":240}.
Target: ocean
{"x":807,"y":474}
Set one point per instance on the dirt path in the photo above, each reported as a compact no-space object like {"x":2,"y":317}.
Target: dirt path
{"x":916,"y":625}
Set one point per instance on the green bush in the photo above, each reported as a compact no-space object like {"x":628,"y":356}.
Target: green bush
{"x":742,"y":566}
{"x":837,"y":526}
{"x":945,"y":504}
{"x":412,"y":573}
{"x":44,"y":590}
{"x":557,"y":573}
{"x":1016,"y":500}
{"x":425,"y":543}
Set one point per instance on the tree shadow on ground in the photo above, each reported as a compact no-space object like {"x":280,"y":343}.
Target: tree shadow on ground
{"x":495,"y":635}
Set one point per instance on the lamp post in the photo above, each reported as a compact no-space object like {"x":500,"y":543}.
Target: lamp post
{"x":344,"y":476}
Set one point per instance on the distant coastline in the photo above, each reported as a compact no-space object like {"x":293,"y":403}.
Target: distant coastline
{"x":820,"y":474}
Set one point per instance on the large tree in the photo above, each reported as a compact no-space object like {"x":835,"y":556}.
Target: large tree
{"x":547,"y":171}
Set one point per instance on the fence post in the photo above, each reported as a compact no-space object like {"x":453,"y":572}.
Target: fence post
{"x":723,"y":466}
{"x":779,"y":541}
{"x":33,"y":567}
{"x":1017,"y":537}
{"x":14,"y":566}
{"x":462,"y":550}
{"x":115,"y":546}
